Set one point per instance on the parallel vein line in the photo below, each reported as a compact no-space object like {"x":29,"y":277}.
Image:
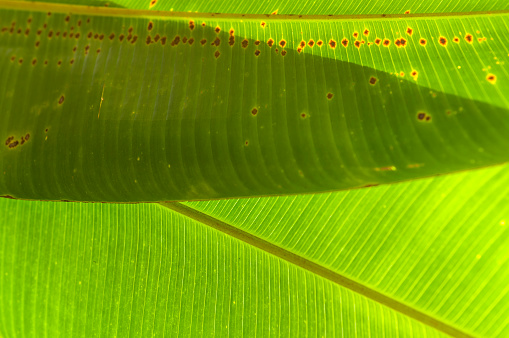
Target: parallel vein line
{"x":315,"y":268}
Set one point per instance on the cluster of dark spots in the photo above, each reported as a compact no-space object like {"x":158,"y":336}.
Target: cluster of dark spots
{"x":203,"y":42}
{"x":329,"y":96}
{"x":386,"y":42}
{"x":190,"y":41}
{"x":216,"y":54}
{"x":257,"y":52}
{"x":378,"y":41}
{"x":13,"y":144}
{"x":112,"y":36}
{"x":9,"y":140}
{"x":409,"y":31}
{"x":442,"y":41}
{"x":175,"y":41}
{"x":372,"y":80}
{"x":283,"y":53}
{"x":61,"y":99}
{"x":469,"y":38}
{"x":25,"y":138}
{"x":217,"y":29}
{"x":282,"y":43}
{"x":121,"y":37}
{"x":400,"y":42}
{"x":355,"y":35}
{"x":311,"y":43}
{"x":302,"y":44}
{"x":263,"y":24}
{"x":422,"y":42}
{"x":332,"y":43}
{"x":491,"y":78}
{"x":191,"y":24}
{"x":357,"y":44}
{"x":366,"y":32}
{"x":244,"y":43}
{"x":456,"y":39}
{"x":270,"y":42}
{"x":216,"y":42}
{"x":423,"y":117}
{"x":231,"y":39}
{"x":34,"y":61}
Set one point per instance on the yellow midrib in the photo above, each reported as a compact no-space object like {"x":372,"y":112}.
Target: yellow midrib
{"x":122,"y":12}
{"x":315,"y":268}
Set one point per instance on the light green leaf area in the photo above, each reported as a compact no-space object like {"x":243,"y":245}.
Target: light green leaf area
{"x":302,"y":7}
{"x":109,"y":104}
{"x":275,"y":268}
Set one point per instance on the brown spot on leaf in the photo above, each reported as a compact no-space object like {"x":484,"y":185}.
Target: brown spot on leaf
{"x":311,"y":43}
{"x":175,"y":41}
{"x":217,"y":29}
{"x":9,"y":140}
{"x":231,"y":40}
{"x":302,"y":44}
{"x":332,"y":43}
{"x":244,"y":43}
{"x":257,"y":42}
{"x":254,"y":111}
{"x":330,"y":95}
{"x":89,"y":35}
{"x":37,"y":43}
{"x":191,"y":24}
{"x":134,"y":39}
{"x":149,"y":40}
{"x":421,"y":116}
{"x":456,"y":39}
{"x":152,"y":3}
{"x":13,"y":144}
{"x":257,"y":52}
{"x":150,"y":25}
{"x":355,"y":35}
{"x":407,"y":12}
{"x":216,"y":42}
{"x":67,"y":18}
{"x":366,"y":32}
{"x":112,"y":36}
{"x":203,"y":41}
{"x":283,"y":53}
{"x":319,"y":43}
{"x":422,"y":42}
{"x":217,"y":53}
{"x":203,"y":24}
{"x":34,"y":61}
{"x":270,"y":42}
{"x":442,"y":41}
{"x":282,"y":43}
{"x":403,"y":42}
{"x":409,"y":31}
{"x":378,"y":41}
{"x":386,"y":42}
{"x":357,"y":44}
{"x":263,"y":24}
{"x":491,"y":78}
{"x":163,"y":40}
{"x":469,"y":38}
{"x":372,"y":80}
{"x":27,"y":136}
{"x":61,"y":99}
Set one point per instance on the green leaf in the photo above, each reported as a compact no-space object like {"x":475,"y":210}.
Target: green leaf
{"x":407,"y":259}
{"x":127,"y":110}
